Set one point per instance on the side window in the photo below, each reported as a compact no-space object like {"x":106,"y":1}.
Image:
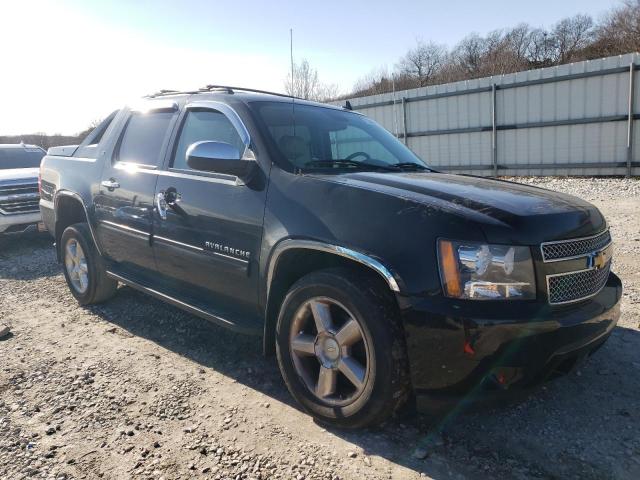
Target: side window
{"x":144,"y":137}
{"x":202,"y":125}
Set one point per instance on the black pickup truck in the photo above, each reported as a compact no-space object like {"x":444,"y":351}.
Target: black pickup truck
{"x":373,"y":277}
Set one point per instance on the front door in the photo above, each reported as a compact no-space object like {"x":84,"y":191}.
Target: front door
{"x":208,"y":241}
{"x":124,"y":204}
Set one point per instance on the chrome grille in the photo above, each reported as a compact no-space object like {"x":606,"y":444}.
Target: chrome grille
{"x":19,"y":197}
{"x":555,"y":251}
{"x":574,"y":286}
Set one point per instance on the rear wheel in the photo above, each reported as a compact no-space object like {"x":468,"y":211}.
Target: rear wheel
{"x":83,"y":266}
{"x":341,"y":349}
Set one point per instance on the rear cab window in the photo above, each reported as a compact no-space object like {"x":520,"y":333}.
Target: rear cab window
{"x":144,"y":138}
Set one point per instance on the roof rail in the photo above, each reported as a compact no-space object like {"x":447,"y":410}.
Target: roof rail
{"x":164,"y":92}
{"x":230,"y":89}
{"x":213,"y":88}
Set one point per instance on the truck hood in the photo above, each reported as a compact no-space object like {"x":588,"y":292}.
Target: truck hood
{"x":507,"y":212}
{"x":19,"y":174}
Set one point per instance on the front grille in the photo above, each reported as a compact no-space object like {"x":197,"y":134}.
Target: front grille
{"x":555,"y":251}
{"x":575,"y":286}
{"x":16,"y":198}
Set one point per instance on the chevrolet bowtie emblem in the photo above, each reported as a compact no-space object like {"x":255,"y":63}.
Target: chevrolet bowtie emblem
{"x":598,"y":260}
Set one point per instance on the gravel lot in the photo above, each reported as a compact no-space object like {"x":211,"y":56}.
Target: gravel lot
{"x":136,"y":388}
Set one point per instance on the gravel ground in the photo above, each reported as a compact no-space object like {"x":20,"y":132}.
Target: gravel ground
{"x":136,"y":388}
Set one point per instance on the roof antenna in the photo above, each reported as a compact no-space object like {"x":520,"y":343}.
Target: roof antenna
{"x":293,"y":92}
{"x":395,"y":117}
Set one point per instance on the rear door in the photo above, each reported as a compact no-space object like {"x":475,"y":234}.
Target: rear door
{"x":208,"y":243}
{"x":124,"y":204}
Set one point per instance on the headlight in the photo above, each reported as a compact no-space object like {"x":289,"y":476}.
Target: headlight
{"x":486,"y":272}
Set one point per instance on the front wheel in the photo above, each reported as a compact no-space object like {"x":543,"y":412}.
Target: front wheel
{"x":83,"y":266}
{"x":341,"y":349}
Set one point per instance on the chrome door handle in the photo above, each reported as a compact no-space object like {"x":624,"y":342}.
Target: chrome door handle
{"x":161,"y":205}
{"x":110,"y":184}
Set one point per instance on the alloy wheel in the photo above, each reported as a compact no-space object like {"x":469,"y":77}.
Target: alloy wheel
{"x":330,"y":351}
{"x":76,"y":266}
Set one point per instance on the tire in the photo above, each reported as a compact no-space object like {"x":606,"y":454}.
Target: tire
{"x":94,"y":286}
{"x":367,"y":380}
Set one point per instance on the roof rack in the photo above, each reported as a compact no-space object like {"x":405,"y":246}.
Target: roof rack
{"x":223,"y":88}
{"x":163,"y":92}
{"x":229,"y":89}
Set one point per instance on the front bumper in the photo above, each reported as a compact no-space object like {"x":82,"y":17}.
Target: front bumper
{"x":18,"y":223}
{"x":461,"y":348}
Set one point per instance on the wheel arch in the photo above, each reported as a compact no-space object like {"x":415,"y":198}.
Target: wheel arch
{"x":291,"y":259}
{"x":69,"y":209}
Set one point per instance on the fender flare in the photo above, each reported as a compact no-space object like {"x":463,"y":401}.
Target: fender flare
{"x":392,"y":280}
{"x":75,"y":196}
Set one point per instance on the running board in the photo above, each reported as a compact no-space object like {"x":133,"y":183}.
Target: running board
{"x":218,"y":320}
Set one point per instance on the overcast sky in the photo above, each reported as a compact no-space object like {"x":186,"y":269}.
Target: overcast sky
{"x":65,"y":63}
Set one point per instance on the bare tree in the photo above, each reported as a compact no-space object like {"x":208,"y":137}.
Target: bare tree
{"x":619,"y":32}
{"x":90,"y":128}
{"x":423,"y":62}
{"x":306,"y":84}
{"x":468,"y":54}
{"x":572,"y":35}
{"x":375,"y":82}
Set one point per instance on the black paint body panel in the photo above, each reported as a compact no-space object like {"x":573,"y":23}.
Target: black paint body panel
{"x":393,"y":218}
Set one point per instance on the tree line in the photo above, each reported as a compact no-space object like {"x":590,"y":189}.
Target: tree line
{"x":500,"y":52}
{"x":46,"y":141}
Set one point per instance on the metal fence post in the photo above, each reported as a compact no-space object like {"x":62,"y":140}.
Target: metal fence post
{"x":494,"y":132}
{"x":404,"y":119}
{"x":630,"y":121}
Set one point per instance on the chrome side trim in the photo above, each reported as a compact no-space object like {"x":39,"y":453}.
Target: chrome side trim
{"x":175,"y":242}
{"x":573,"y":240}
{"x":86,"y":212}
{"x":182,"y":305}
{"x":241,"y":260}
{"x":169,"y":298}
{"x":198,"y":249}
{"x":124,"y":227}
{"x":361,"y":258}
{"x":201,"y":176}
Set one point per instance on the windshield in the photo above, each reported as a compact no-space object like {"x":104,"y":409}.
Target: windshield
{"x":318,"y":138}
{"x":20,"y":157}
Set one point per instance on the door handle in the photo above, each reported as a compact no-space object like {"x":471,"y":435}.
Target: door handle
{"x":172,"y":197}
{"x":110,"y":184}
{"x":161,"y":205}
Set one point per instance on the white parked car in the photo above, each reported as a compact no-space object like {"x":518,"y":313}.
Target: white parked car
{"x":19,"y":197}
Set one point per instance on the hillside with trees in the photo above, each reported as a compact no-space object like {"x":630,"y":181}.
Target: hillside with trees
{"x":509,"y":50}
{"x":514,"y":49}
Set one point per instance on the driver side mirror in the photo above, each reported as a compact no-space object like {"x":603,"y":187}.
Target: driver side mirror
{"x":219,"y":157}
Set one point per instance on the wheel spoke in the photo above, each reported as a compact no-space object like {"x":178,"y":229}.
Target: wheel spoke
{"x":71,"y":252}
{"x":79,"y":253}
{"x":303,"y":344}
{"x":349,"y":334}
{"x":83,"y":279}
{"x":326,"y":382}
{"x":321,"y":315}
{"x":353,"y":370}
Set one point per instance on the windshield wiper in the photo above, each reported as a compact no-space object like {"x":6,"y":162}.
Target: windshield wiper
{"x":350,"y":164}
{"x":410,"y":165}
